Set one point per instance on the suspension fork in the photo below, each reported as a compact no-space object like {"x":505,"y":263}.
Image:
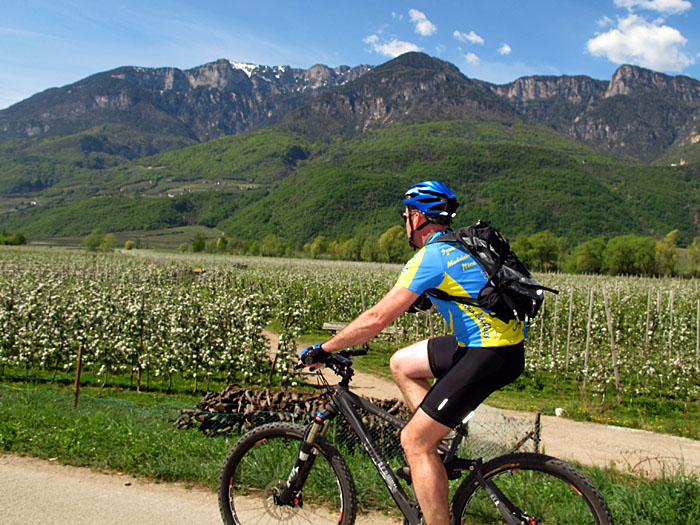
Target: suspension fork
{"x":291,"y":495}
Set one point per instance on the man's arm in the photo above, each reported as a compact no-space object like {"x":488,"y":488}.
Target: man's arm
{"x":372,"y":321}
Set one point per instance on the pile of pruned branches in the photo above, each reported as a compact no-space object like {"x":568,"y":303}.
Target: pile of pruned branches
{"x":236,"y":410}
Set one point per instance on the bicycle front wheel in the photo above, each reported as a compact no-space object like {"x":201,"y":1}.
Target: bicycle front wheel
{"x":258,"y":467}
{"x":545,"y":489}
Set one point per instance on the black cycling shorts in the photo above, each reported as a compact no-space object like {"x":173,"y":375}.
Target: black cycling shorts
{"x":465,"y":376}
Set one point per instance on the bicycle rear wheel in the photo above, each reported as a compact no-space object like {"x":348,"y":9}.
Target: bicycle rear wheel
{"x":547,"y":491}
{"x":256,"y":471}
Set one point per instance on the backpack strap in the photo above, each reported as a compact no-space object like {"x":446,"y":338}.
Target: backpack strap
{"x":450,"y":237}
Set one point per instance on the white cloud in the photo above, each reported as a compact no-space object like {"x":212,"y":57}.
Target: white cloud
{"x":424,"y":26}
{"x":392,"y":48}
{"x":472,"y":58}
{"x":606,"y":21}
{"x":504,"y":49}
{"x":468,"y":37}
{"x":639,"y":42}
{"x":662,"y":6}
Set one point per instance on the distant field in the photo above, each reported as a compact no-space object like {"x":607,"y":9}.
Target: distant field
{"x":165,"y":239}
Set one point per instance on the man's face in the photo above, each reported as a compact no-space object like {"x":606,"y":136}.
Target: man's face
{"x":412,"y":218}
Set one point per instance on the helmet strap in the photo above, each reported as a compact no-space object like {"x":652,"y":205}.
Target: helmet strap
{"x":413,"y":231}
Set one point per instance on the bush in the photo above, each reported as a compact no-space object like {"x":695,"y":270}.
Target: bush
{"x":10,"y":239}
{"x":129,"y":245}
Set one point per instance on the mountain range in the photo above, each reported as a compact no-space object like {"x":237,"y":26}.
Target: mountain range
{"x":258,"y":134}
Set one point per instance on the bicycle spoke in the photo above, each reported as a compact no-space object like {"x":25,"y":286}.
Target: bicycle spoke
{"x":540,"y":489}
{"x":257,"y":472}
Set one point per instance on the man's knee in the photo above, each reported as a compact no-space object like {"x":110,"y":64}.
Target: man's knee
{"x":422,"y":434}
{"x":411,"y":361}
{"x":396,"y":364}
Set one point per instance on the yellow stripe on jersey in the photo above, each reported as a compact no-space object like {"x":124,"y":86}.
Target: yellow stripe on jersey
{"x":409,"y":271}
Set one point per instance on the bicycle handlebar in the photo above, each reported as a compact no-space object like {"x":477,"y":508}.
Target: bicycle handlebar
{"x":339,"y":361}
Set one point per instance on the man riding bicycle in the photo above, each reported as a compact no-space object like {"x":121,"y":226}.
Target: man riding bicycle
{"x":484,"y":354}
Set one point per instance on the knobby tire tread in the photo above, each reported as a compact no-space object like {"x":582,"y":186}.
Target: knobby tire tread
{"x":272,"y":430}
{"x":541,"y":463}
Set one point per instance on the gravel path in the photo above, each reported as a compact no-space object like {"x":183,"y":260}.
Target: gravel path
{"x":38,"y":491}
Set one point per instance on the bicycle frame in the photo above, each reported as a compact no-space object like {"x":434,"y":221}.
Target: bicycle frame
{"x":344,"y":402}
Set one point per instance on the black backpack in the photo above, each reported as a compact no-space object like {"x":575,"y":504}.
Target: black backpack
{"x":510,"y":292}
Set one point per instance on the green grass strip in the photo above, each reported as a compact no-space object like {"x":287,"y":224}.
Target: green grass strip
{"x":133,"y":433}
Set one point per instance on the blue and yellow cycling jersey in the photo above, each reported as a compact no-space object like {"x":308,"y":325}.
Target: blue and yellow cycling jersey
{"x":451,"y":268}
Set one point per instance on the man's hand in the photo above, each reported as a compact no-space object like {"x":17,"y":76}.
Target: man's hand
{"x":312,"y":355}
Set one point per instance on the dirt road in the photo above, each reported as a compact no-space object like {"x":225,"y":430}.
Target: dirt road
{"x":38,"y":491}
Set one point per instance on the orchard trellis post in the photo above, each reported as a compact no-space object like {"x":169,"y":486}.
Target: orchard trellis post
{"x":588,"y":342}
{"x":613,"y":349}
{"x":697,"y":339}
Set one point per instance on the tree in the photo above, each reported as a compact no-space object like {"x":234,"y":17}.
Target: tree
{"x":630,"y":255}
{"x":694,"y":256}
{"x":92,"y":241}
{"x":587,"y":257}
{"x":393,"y":246}
{"x":318,"y":247}
{"x":544,"y":251}
{"x":107,"y":243}
{"x":351,"y":250}
{"x":273,"y":246}
{"x":221,"y":244}
{"x":539,"y":252}
{"x":522,"y":247}
{"x":667,"y":254}
{"x":198,"y":243}
{"x":370,"y":249}
{"x":10,"y":239}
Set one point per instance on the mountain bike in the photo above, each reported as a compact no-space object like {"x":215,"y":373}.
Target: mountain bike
{"x":289,"y":473}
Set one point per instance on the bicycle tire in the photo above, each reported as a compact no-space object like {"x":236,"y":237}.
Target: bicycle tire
{"x":546,"y":489}
{"x":260,"y":463}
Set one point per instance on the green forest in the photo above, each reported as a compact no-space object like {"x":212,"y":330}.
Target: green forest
{"x":525,"y":179}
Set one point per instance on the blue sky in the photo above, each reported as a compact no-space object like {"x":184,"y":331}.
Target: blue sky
{"x":51,"y":43}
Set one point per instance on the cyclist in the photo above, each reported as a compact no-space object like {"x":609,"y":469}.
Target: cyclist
{"x":484,"y":354}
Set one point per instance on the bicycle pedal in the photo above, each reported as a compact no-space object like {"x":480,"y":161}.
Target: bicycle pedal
{"x":405,"y":474}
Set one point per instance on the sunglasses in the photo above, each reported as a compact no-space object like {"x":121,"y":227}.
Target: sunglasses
{"x":406,"y":215}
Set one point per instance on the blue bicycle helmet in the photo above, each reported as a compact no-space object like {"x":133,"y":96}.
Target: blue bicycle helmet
{"x":434,"y":199}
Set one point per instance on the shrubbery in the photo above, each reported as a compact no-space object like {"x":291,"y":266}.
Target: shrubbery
{"x":12,"y":239}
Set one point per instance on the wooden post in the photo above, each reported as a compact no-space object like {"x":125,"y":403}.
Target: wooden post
{"x":362,"y":294}
{"x":613,"y":349}
{"x":542,"y":326}
{"x":697,"y":342}
{"x":538,"y":431}
{"x":78,"y":369}
{"x":588,"y":342}
{"x":568,"y":331}
{"x":554,"y":337}
{"x":646,"y":331}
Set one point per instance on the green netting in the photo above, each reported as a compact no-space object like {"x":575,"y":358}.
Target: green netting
{"x":491,"y":432}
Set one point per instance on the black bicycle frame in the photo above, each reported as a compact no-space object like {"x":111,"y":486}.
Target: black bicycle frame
{"x":345,"y":401}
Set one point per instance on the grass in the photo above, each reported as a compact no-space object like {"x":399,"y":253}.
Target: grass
{"x":122,"y":432}
{"x":116,"y":429}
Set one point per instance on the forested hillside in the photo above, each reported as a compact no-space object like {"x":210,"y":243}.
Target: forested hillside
{"x":335,"y":161}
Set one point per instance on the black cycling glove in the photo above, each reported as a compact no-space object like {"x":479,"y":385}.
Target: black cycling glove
{"x":314,"y":354}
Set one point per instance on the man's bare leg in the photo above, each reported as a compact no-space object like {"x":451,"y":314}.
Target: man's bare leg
{"x":419,"y":439}
{"x":410,"y":368}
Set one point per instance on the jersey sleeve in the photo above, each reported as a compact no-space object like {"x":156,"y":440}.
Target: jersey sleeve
{"x":421,"y":273}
